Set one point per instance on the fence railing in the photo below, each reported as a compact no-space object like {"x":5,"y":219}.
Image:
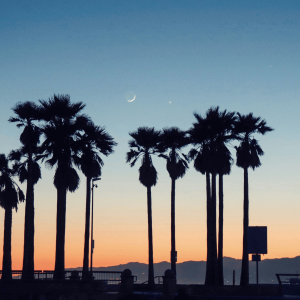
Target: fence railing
{"x":288,"y":279}
{"x":110,"y":277}
{"x":159,"y":280}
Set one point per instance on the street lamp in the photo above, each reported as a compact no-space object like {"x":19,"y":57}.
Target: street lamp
{"x":92,"y":223}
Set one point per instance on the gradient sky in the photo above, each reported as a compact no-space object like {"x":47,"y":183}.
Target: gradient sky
{"x":177,"y":57}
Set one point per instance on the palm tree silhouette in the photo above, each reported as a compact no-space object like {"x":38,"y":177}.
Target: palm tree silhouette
{"x":174,"y":139}
{"x":143,"y":145}
{"x":61,"y":148}
{"x":95,"y":141}
{"x":210,"y":134}
{"x":247,"y":155}
{"x":203,"y":161}
{"x":223,"y":123}
{"x":29,"y":170}
{"x":10,"y":196}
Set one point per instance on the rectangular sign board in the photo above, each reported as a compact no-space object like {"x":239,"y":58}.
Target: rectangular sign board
{"x":257,"y":240}
{"x":256,"y":257}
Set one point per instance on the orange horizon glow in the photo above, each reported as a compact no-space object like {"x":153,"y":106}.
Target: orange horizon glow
{"x":121,"y":251}
{"x":121,"y":230}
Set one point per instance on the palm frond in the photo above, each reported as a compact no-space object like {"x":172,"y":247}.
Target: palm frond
{"x":132,"y":154}
{"x":133,"y":162}
{"x":15,"y":155}
{"x":23,"y":174}
{"x":193,"y":153}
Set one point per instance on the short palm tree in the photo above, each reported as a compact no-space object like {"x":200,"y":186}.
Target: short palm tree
{"x":247,"y":155}
{"x":95,"y":141}
{"x":173,"y":140}
{"x":143,"y":145}
{"x":61,"y":148}
{"x":10,"y":196}
{"x":29,"y":170}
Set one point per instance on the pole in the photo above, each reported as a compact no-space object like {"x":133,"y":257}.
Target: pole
{"x":233,"y":277}
{"x":92,"y":219}
{"x":92,"y":225}
{"x":257,"y":274}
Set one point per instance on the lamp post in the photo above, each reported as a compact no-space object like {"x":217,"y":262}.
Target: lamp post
{"x":92,"y":223}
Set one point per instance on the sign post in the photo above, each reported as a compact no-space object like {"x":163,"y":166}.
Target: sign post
{"x":257,"y":244}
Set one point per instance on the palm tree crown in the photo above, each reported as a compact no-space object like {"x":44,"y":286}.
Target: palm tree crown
{"x":95,"y":141}
{"x":61,"y":145}
{"x":173,"y":140}
{"x":10,"y":192}
{"x":144,"y":144}
{"x":248,"y":152}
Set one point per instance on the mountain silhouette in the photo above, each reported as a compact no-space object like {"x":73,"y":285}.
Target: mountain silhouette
{"x":193,"y":272}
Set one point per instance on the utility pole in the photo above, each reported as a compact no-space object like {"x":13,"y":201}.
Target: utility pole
{"x":92,"y":224}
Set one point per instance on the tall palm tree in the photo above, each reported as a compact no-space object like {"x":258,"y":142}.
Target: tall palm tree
{"x":173,"y":140}
{"x":223,"y":168}
{"x":95,"y":141}
{"x":201,"y":154}
{"x":29,"y":170}
{"x":143,"y":145}
{"x":247,"y":155}
{"x":61,"y":148}
{"x":10,"y":196}
{"x":210,"y":135}
{"x":220,"y":125}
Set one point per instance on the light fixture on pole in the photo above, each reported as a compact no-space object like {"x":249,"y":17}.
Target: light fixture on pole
{"x":92,"y":223}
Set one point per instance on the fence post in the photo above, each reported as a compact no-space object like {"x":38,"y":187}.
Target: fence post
{"x":126,"y":282}
{"x":169,"y":284}
{"x":233,"y":277}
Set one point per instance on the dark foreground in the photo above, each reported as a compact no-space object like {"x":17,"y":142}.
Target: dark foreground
{"x":80,"y":290}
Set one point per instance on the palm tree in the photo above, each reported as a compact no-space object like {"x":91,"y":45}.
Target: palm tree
{"x":210,"y":135}
{"x":220,"y":125}
{"x":61,"y":149}
{"x":223,"y":168}
{"x":247,"y":155}
{"x":174,"y":139}
{"x":143,"y":145}
{"x":95,"y":141}
{"x":201,"y":154}
{"x":29,"y":170}
{"x":10,"y":196}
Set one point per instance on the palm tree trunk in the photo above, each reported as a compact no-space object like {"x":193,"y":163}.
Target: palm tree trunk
{"x":59,"y":271}
{"x":209,"y":266}
{"x":245,"y":259}
{"x":214,"y":227}
{"x":220,"y":241}
{"x":28,"y":256}
{"x":173,"y":245}
{"x":85,"y":268}
{"x":150,"y":240}
{"x":6,"y":263}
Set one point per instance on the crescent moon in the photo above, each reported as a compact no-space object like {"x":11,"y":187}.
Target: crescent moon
{"x":132,"y":99}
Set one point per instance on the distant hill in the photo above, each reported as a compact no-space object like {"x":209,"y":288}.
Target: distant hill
{"x":193,"y":272}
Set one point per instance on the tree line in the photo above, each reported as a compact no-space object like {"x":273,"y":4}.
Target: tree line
{"x":68,"y":140}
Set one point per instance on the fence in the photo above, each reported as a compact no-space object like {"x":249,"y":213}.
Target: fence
{"x":110,"y":277}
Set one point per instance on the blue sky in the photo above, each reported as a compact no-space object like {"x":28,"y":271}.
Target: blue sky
{"x":177,"y":57}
